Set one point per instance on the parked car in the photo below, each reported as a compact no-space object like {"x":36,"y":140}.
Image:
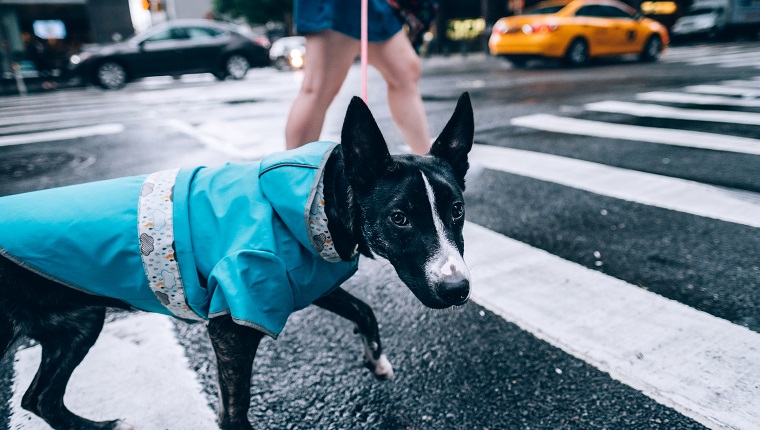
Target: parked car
{"x":173,"y":48}
{"x":288,"y":53}
{"x":576,"y":31}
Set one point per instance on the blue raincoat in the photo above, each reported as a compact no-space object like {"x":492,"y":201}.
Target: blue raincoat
{"x":246,"y":239}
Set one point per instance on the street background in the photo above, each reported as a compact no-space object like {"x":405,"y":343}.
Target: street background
{"x":613,"y":233}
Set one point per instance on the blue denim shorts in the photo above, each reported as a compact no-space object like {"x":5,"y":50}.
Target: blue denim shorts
{"x":344,"y":16}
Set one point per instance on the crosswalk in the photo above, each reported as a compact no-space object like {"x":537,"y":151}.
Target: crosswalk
{"x":570,"y":325}
{"x":620,"y":234}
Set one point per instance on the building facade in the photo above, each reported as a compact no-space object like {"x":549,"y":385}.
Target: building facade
{"x":61,"y":26}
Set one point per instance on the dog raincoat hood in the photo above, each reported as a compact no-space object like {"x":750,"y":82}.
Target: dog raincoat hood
{"x":246,"y":239}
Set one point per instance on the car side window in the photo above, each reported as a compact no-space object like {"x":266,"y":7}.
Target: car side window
{"x":615,"y":12}
{"x":589,"y":11}
{"x":160,"y":36}
{"x":201,"y":33}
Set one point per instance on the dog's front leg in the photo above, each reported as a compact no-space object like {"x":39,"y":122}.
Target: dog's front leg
{"x":344,"y":304}
{"x":235,"y":347}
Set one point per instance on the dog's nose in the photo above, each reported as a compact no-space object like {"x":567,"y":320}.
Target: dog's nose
{"x":454,"y":291}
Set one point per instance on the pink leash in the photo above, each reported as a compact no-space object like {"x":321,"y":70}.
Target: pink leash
{"x":364,"y":50}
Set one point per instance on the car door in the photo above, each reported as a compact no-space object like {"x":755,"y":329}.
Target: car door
{"x":594,"y":28}
{"x":203,"y":48}
{"x":160,"y":53}
{"x":625,"y":36}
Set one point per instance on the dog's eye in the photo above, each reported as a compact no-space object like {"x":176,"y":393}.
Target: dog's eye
{"x":457,"y":211}
{"x":399,"y":218}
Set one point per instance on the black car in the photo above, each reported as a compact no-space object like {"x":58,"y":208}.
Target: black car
{"x":173,"y":48}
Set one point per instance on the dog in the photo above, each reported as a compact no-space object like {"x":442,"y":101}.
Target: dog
{"x":242,"y":246}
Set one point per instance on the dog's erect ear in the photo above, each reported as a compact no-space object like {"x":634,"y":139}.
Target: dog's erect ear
{"x":365,"y":154}
{"x":455,"y":141}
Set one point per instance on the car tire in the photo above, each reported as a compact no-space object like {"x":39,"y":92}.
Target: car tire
{"x":652,"y":49}
{"x":236,"y":66}
{"x":282,"y":64}
{"x":111,"y":75}
{"x":577,"y":53}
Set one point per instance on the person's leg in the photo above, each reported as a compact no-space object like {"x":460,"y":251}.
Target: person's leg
{"x":329,"y":55}
{"x":398,"y":63}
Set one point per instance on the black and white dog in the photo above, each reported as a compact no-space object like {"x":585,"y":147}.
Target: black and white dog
{"x":407,"y":209}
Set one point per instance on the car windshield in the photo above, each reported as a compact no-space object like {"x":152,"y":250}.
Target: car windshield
{"x":545,"y":10}
{"x":700,"y":11}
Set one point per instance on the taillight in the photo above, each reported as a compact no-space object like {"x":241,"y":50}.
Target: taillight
{"x":539,"y":28}
{"x":500,"y":27}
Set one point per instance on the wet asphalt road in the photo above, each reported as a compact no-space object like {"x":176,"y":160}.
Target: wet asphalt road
{"x":464,"y":368}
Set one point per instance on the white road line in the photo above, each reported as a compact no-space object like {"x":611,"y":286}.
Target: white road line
{"x":702,"y":366}
{"x":722,"y":90}
{"x":65,"y":134}
{"x":56,"y":125}
{"x":703,"y":54}
{"x":659,"y":111}
{"x":696,"y":99}
{"x":136,"y":371}
{"x":639,"y":187}
{"x":752,"y":84}
{"x":726,"y":58}
{"x":691,"y":139}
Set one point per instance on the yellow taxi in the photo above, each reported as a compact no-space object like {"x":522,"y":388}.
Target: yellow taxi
{"x":577,"y":30}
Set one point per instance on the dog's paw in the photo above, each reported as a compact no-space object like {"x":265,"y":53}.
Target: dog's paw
{"x":381,"y":368}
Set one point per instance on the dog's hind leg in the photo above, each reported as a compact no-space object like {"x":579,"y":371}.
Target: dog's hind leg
{"x":235,"y":348}
{"x":65,"y":337}
{"x":340,"y":302}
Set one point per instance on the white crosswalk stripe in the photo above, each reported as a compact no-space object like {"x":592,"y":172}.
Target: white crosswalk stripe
{"x":696,"y":99}
{"x":658,"y":111}
{"x":723,"y":56}
{"x":645,"y":188}
{"x":692,"y":139}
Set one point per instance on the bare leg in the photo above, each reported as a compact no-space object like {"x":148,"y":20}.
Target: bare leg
{"x":65,"y":339}
{"x":235,"y":347}
{"x":344,"y":304}
{"x":329,"y":56}
{"x":398,"y":63}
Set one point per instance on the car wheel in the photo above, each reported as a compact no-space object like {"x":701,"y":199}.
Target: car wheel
{"x":652,"y":49}
{"x":236,"y":66}
{"x":111,"y":75}
{"x":282,"y":64}
{"x":577,"y":53}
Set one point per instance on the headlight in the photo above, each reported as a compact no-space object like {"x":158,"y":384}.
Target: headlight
{"x":79,"y":58}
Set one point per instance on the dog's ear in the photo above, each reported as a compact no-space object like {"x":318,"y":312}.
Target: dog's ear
{"x":455,"y":141}
{"x":365,"y":154}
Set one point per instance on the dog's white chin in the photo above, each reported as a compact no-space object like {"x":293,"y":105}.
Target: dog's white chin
{"x":121,"y":425}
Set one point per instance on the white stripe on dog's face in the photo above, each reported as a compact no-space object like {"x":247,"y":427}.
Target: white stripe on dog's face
{"x":446,"y":261}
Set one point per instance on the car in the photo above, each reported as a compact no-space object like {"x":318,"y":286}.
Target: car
{"x":287,"y":53}
{"x":576,"y":31}
{"x":173,"y":48}
{"x":701,"y":20}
